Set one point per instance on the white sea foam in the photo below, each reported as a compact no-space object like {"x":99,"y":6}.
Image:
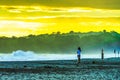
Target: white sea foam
{"x":20,"y":55}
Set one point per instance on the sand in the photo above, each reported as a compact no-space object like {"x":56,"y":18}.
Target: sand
{"x":88,"y":69}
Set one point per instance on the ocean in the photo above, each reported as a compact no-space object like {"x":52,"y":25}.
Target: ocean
{"x":21,"y":55}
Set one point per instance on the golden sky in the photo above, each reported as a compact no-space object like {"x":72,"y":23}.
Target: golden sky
{"x":23,"y":20}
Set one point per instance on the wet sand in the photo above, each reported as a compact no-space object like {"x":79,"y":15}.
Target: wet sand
{"x":88,"y":69}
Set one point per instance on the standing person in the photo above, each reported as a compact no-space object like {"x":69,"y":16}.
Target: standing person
{"x":115,"y":52}
{"x":79,"y":54}
{"x":102,"y":54}
{"x":118,"y":54}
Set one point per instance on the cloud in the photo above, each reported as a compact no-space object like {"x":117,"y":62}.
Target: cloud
{"x":53,"y":12}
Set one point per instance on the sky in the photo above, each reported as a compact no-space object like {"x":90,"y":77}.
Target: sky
{"x":25,"y":17}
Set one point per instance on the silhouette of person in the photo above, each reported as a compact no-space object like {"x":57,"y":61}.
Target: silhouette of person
{"x":102,"y":54}
{"x":115,"y":52}
{"x":78,"y":54}
{"x":118,"y":54}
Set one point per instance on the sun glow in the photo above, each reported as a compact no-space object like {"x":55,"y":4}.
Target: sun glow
{"x":26,"y":20}
{"x":19,"y":28}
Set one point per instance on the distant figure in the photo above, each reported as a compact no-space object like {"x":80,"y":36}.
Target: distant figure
{"x":102,"y":54}
{"x":79,"y":54}
{"x":115,"y":52}
{"x":118,"y":54}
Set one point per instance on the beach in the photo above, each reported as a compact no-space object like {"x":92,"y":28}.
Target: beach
{"x":88,"y":69}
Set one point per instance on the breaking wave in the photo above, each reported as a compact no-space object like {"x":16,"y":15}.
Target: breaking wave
{"x":20,"y":55}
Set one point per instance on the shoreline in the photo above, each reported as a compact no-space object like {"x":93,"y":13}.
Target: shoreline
{"x":36,"y":66}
